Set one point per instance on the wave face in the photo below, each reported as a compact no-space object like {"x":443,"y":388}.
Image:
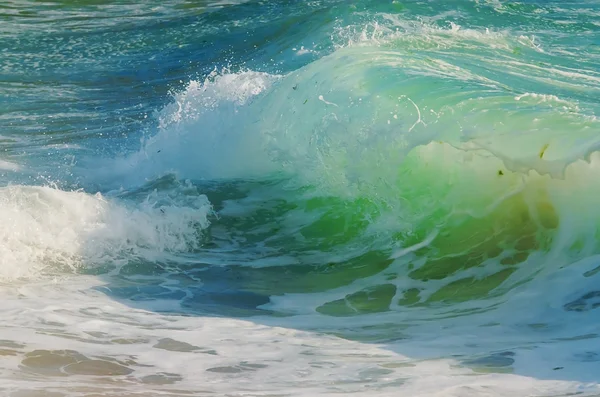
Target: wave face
{"x":400,"y":196}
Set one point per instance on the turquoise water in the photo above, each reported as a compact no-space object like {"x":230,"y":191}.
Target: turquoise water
{"x":299,"y":198}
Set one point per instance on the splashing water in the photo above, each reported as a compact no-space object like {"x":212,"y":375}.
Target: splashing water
{"x":250,"y":198}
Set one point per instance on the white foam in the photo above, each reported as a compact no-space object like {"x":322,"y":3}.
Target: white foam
{"x":8,"y":166}
{"x":217,"y":355}
{"x":43,"y":227}
{"x":544,"y":98}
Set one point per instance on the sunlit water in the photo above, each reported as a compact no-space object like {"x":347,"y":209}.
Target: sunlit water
{"x":373,"y":198}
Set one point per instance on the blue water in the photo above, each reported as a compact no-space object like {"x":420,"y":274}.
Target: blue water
{"x":299,"y":198}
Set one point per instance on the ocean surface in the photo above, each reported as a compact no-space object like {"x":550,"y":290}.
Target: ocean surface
{"x":299,"y":198}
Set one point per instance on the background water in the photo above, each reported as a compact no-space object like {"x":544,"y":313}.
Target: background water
{"x":287,"y":198}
